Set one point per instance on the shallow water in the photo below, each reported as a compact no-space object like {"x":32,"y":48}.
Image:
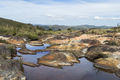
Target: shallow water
{"x":79,"y":71}
{"x":37,"y":47}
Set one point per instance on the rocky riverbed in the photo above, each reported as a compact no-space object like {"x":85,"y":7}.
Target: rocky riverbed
{"x":65,"y":51}
{"x":66,"y":64}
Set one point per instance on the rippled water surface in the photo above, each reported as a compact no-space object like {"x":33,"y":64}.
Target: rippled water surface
{"x":79,"y":71}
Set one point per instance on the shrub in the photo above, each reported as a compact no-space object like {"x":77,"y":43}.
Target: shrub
{"x":3,"y":41}
{"x":33,"y":36}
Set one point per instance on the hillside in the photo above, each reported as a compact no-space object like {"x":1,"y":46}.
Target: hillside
{"x":18,"y":29}
{"x":8,"y":22}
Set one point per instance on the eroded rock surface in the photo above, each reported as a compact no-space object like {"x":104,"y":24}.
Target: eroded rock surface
{"x":26,"y":51}
{"x":58,"y":59}
{"x":35,"y":43}
{"x":108,"y":63}
{"x":11,"y":70}
{"x":102,"y":51}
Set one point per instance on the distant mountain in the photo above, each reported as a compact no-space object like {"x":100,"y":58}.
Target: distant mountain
{"x":63,"y":27}
{"x":53,"y":27}
{"x":89,"y":27}
{"x":11,"y":23}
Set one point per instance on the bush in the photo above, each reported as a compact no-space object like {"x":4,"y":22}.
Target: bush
{"x":33,"y":37}
{"x":3,"y":41}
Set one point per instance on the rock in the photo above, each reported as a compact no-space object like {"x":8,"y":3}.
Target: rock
{"x":70,"y":57}
{"x":15,"y":42}
{"x":57,"y":59}
{"x":11,"y":70}
{"x":101,"y":51}
{"x":30,"y":64}
{"x":84,"y":50}
{"x":4,"y":38}
{"x":67,"y":47}
{"x":115,"y":55}
{"x":35,"y":43}
{"x":107,"y":63}
{"x":78,"y":54}
{"x":26,"y":51}
{"x":117,"y":73}
{"x":91,"y":42}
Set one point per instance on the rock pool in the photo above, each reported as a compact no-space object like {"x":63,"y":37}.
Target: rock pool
{"x":78,"y":71}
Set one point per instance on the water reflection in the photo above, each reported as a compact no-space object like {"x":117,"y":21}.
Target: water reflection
{"x":77,"y":71}
{"x":37,"y":47}
{"x":80,"y":71}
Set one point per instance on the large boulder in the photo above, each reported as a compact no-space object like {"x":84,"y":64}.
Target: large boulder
{"x":102,"y":51}
{"x":58,"y":59}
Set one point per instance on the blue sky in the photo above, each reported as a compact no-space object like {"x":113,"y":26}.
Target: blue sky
{"x":62,"y":12}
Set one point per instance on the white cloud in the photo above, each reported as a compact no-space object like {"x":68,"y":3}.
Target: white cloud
{"x":106,"y":18}
{"x":61,"y":13}
{"x":97,"y":17}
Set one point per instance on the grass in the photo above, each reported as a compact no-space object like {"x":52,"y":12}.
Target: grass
{"x":31,"y":33}
{"x":97,"y":31}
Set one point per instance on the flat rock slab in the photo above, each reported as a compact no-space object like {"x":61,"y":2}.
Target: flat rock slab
{"x":30,"y":64}
{"x":26,"y":51}
{"x":35,"y":43}
{"x":57,"y":59}
{"x":108,"y":63}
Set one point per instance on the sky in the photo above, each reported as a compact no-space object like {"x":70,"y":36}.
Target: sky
{"x":62,"y":12}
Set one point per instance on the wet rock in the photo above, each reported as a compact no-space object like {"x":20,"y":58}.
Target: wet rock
{"x":30,"y":64}
{"x":26,"y":51}
{"x":78,"y":54}
{"x":107,"y":63}
{"x":117,"y":73}
{"x":71,"y":57}
{"x":11,"y":70}
{"x":57,"y":59}
{"x":35,"y":43}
